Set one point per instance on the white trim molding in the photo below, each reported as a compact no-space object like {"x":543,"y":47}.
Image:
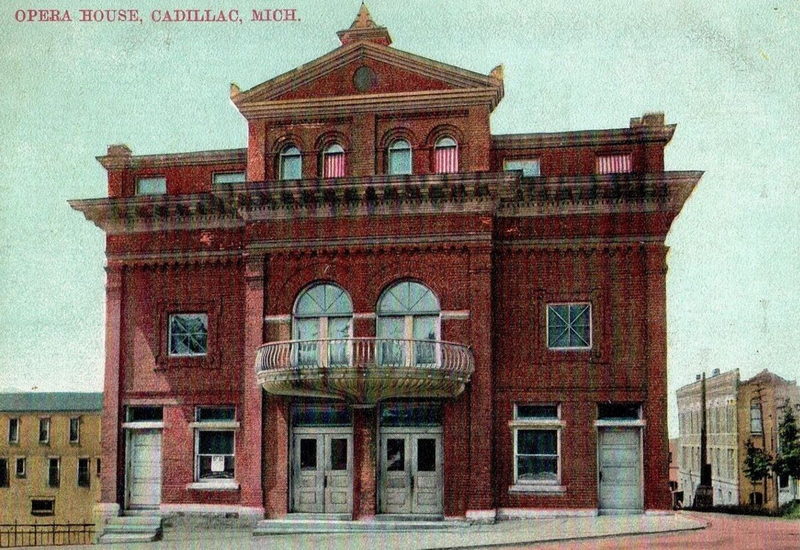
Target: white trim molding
{"x":482,"y":516}
{"x":537,"y":488}
{"x":542,"y":513}
{"x":143,"y":425}
{"x":214,"y":485}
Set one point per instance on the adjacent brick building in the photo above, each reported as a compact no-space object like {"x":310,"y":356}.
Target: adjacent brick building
{"x":381,"y":308}
{"x":737,"y":411}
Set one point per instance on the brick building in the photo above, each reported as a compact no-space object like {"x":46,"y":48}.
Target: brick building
{"x":381,"y":308}
{"x":736,"y":411}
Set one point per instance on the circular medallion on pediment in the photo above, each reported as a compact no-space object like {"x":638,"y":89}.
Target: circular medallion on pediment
{"x":365,"y":79}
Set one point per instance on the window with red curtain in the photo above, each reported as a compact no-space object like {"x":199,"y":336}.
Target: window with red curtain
{"x":614,"y":164}
{"x":333,"y":162}
{"x":445,"y":156}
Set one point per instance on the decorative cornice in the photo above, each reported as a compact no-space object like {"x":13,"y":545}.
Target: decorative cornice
{"x":197,"y":158}
{"x":372,"y":103}
{"x":502,"y":194}
{"x":177,"y":257}
{"x":591,"y":138}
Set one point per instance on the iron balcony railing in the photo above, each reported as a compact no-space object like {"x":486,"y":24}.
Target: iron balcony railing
{"x":364,"y":354}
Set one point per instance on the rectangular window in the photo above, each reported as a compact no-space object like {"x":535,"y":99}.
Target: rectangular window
{"x":537,"y":441}
{"x":614,"y":164}
{"x":756,"y":426}
{"x":221,"y":178}
{"x":75,"y":430}
{"x":529,"y":167}
{"x":53,"y":472}
{"x":188,"y":334}
{"x":215,"y":443}
{"x":13,"y":430}
{"x":21,"y":467}
{"x":97,"y":468}
{"x":43,"y":507}
{"x":618,"y":411}
{"x":569,"y":326}
{"x":44,"y":430}
{"x":151,"y":186}
{"x":3,"y":472}
{"x":145,"y":414}
{"x":83,"y":472}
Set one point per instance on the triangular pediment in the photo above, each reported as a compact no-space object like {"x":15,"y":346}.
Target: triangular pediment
{"x":364,"y":69}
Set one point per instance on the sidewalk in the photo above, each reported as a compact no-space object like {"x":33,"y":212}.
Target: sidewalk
{"x":505,"y":533}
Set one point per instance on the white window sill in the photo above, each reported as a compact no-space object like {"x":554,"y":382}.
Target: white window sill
{"x":214,"y":485}
{"x":536,"y":488}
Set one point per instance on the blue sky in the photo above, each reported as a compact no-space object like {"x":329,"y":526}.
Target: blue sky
{"x":727,"y":73}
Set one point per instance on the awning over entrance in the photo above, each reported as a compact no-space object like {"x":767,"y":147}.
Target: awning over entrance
{"x":364,"y":371}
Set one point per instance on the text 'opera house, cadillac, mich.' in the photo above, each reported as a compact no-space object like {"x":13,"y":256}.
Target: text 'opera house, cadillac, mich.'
{"x":380,"y":308}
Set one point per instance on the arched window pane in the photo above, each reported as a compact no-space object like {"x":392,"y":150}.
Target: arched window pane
{"x":322,"y":323}
{"x":333,"y":162}
{"x":408,"y":325}
{"x":408,"y":298}
{"x":291,"y":164}
{"x":324,"y":299}
{"x":446,"y":156}
{"x":400,"y":157}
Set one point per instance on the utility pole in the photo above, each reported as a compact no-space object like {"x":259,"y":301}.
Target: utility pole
{"x":704,"y":496}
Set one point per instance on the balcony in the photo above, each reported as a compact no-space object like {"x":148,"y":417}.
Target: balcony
{"x":364,"y":371}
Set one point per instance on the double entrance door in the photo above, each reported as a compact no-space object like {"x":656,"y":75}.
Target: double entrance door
{"x":322,"y":472}
{"x":411,"y":471}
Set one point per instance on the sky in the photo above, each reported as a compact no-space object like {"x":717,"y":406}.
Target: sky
{"x":728,"y":73}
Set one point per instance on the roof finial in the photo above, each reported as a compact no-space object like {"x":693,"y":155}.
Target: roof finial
{"x":365,"y":29}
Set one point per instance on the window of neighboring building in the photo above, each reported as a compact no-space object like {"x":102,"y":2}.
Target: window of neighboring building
{"x":613,"y":164}
{"x":756,"y":426}
{"x":333,"y":161}
{"x":97,"y":467}
{"x":445,"y":156}
{"x":222,"y":178}
{"x":44,"y":430}
{"x":215,"y":443}
{"x":151,"y":186}
{"x":43,"y":507}
{"x":75,"y":430}
{"x":399,"y":158}
{"x":756,"y":498}
{"x":53,"y":472}
{"x":188,"y":334}
{"x":3,"y":472}
{"x":529,"y":167}
{"x":21,"y":467}
{"x":13,"y":430}
{"x":408,"y":325}
{"x":291,"y":163}
{"x":569,"y":326}
{"x":536,"y":430}
{"x":322,"y":324}
{"x":83,"y":472}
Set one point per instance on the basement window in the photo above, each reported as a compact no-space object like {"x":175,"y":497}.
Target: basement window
{"x":43,"y":507}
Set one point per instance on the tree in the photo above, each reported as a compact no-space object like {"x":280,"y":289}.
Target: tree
{"x":757,"y":464}
{"x":787,"y":463}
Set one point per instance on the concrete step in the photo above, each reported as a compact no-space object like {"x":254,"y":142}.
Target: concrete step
{"x":151,"y":521}
{"x":119,"y":538}
{"x":309,"y":526}
{"x":126,"y":529}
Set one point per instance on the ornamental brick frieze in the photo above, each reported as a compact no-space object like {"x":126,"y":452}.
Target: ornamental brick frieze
{"x":178,"y":258}
{"x":461,"y":242}
{"x":577,"y":246}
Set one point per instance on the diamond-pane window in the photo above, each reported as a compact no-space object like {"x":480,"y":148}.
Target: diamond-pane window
{"x":188,"y":334}
{"x":569,"y":326}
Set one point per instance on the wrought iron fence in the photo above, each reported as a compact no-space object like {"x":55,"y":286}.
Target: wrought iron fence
{"x":45,"y":534}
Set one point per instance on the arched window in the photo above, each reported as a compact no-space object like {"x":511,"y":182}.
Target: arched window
{"x":408,"y":325}
{"x":445,"y":156}
{"x":291,"y":164}
{"x":322,"y":326}
{"x":399,"y":157}
{"x":333,"y":161}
